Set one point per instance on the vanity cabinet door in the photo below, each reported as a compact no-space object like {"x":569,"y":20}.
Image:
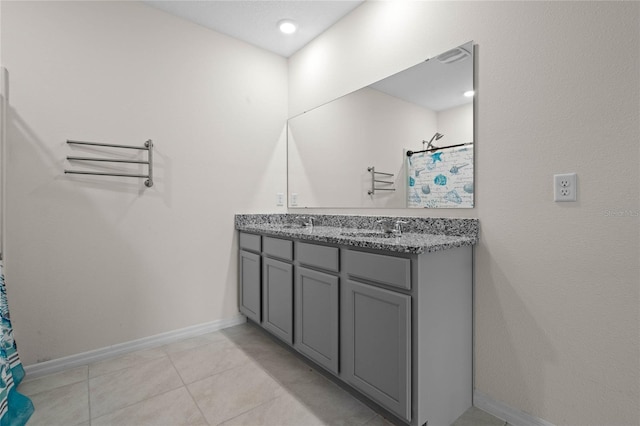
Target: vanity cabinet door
{"x":317,"y":317}
{"x":277,"y":298}
{"x":250,"y":303}
{"x":378,"y":339}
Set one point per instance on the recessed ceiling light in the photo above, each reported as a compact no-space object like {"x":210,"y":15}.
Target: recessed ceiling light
{"x":469,"y":93}
{"x":287,"y":26}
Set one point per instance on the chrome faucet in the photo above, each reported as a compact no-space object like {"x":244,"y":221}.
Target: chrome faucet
{"x":305,"y":221}
{"x":388,"y":226}
{"x":398,"y":227}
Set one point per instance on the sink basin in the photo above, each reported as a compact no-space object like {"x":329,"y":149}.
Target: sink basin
{"x":367,"y":234}
{"x":291,"y":226}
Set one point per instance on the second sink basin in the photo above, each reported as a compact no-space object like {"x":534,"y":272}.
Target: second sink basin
{"x":367,"y":234}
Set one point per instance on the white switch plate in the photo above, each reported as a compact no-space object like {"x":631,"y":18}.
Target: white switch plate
{"x":280,"y":199}
{"x":565,"y":187}
{"x":294,"y":199}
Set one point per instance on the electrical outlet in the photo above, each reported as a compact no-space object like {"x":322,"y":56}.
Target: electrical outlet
{"x":280,"y":199}
{"x":565,"y":187}
{"x":294,"y":199}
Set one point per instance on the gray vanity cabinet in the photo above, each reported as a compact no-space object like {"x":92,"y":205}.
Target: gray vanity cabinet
{"x":250,"y":302}
{"x":394,"y":327}
{"x":317,"y":295}
{"x":277,"y":300}
{"x":317,"y":303}
{"x":378,"y":345}
{"x":277,"y":288}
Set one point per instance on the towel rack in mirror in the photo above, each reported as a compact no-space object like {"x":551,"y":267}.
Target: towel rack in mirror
{"x":374,"y":180}
{"x":148,"y":146}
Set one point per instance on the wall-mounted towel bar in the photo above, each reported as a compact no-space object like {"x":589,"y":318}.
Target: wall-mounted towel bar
{"x":148,"y":146}
{"x":374,"y":180}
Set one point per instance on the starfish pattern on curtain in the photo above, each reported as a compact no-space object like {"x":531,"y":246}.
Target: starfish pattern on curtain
{"x":15,"y":408}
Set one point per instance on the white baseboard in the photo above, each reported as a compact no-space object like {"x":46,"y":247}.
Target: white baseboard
{"x":56,"y":365}
{"x":504,"y":412}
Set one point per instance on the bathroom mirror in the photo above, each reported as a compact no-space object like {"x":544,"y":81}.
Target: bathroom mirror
{"x":352,"y":152}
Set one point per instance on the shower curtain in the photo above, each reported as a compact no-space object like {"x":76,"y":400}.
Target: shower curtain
{"x":15,"y":408}
{"x":442,"y":178}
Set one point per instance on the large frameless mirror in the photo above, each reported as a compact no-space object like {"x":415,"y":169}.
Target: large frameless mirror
{"x":352,"y":152}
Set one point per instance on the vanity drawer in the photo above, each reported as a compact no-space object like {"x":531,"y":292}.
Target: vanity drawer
{"x":276,"y":247}
{"x":378,"y":268}
{"x":250,"y":242}
{"x":323,"y":257}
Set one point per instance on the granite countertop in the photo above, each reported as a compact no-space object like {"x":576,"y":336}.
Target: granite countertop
{"x":422,"y":235}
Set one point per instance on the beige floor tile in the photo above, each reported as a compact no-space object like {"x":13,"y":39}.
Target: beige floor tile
{"x":378,"y":420}
{"x":476,"y":417}
{"x":282,"y":411}
{"x":241,"y":329}
{"x":174,"y":408}
{"x":287,"y":368}
{"x":256,"y":344}
{"x":63,"y":406}
{"x":52,"y":381}
{"x":232,"y":392}
{"x":206,"y":360}
{"x":193,"y":342}
{"x":113,"y":391}
{"x":126,"y":361}
{"x":216,"y":335}
{"x":330,"y":403}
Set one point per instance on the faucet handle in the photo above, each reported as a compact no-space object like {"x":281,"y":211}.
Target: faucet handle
{"x":305,"y":221}
{"x":398,"y":226}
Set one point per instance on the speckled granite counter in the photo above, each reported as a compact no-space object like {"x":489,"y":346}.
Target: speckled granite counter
{"x":419,"y":235}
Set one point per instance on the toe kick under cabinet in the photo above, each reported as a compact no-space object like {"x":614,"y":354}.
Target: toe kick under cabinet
{"x":394,"y":327}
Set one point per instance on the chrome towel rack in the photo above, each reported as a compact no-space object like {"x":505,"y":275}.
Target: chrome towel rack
{"x":148,"y":146}
{"x":374,"y":180}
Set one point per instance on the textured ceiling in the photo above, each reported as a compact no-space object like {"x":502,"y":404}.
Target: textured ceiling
{"x":432,"y":84}
{"x":255,"y":22}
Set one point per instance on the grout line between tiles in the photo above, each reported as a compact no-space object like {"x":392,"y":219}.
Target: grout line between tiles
{"x":142,"y":400}
{"x":320,"y":376}
{"x":251,"y":409}
{"x":188,"y":390}
{"x":164,"y":354}
{"x":177,"y":371}
{"x":197,"y":405}
{"x":30,"y":394}
{"x":212,"y":374}
{"x":137,"y":402}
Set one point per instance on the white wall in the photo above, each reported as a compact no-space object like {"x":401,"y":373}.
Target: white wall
{"x":366,"y":128}
{"x":93,"y":261}
{"x":558,"y":90}
{"x":456,"y":124}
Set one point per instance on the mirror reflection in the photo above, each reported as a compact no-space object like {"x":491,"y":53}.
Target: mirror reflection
{"x":352,"y":152}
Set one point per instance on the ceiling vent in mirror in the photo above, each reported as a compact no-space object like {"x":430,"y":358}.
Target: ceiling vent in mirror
{"x":453,"y":55}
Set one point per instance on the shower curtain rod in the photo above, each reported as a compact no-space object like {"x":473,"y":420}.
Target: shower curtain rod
{"x":410,"y":153}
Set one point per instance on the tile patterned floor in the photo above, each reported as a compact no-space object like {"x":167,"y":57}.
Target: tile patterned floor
{"x":237,"y":376}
